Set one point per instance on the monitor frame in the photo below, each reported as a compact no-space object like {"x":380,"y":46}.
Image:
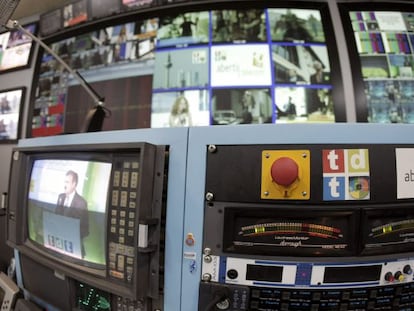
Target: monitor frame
{"x":27,"y":64}
{"x":146,"y":278}
{"x":18,"y":111}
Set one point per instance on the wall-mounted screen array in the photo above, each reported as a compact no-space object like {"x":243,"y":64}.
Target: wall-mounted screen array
{"x":233,"y":66}
{"x":10,"y":106}
{"x":16,"y":49}
{"x":382,"y":48}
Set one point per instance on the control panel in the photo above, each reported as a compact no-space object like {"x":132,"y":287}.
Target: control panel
{"x":315,"y":227}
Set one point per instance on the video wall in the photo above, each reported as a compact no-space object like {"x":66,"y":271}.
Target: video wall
{"x":212,"y":67}
{"x":384,"y":41}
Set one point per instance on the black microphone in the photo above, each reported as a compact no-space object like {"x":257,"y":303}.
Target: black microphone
{"x":95,"y":117}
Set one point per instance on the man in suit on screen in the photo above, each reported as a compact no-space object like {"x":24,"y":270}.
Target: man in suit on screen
{"x":72,"y":204}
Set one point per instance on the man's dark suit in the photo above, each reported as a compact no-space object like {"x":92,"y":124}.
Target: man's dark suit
{"x":78,"y":209}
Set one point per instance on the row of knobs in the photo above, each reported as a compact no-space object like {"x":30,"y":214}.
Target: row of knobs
{"x":398,"y":276}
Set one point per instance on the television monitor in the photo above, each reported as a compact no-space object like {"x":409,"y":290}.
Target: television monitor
{"x":381,"y":49}
{"x":50,"y":22}
{"x":75,"y":13}
{"x":11,"y":104}
{"x":103,"y":8}
{"x":16,"y":48}
{"x":91,"y":212}
{"x":136,"y":4}
{"x":260,"y":63}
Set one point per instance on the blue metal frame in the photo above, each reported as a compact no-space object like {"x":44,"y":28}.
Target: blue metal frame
{"x":200,"y":138}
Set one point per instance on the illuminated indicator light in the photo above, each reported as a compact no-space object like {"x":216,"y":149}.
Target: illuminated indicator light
{"x":259,"y":230}
{"x":387,"y":229}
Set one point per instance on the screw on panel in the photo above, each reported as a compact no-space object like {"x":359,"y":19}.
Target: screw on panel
{"x":267,"y":156}
{"x":304,"y":155}
{"x":212,"y":148}
{"x":206,"y":277}
{"x":209,"y":196}
{"x":266,"y":193}
{"x":304,"y":193}
{"x":207,"y":251}
{"x":207,"y":259}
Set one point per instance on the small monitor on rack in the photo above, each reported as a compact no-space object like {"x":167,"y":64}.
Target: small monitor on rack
{"x":103,"y":8}
{"x":16,"y":49}
{"x":75,"y":13}
{"x":11,"y":103}
{"x":136,"y":4}
{"x":50,"y":22}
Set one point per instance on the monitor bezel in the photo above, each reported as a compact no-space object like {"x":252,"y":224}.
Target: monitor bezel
{"x":31,"y":52}
{"x":22,"y":101}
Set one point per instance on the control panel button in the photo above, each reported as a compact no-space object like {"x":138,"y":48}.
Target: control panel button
{"x":285,"y":175}
{"x":232,"y":274}
{"x":284,"y":171}
{"x":389,"y":277}
{"x":407,"y":269}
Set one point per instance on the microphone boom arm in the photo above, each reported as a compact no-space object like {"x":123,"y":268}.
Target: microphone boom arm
{"x":13,"y":24}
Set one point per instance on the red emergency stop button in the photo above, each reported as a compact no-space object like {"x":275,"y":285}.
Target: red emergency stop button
{"x":284,"y":171}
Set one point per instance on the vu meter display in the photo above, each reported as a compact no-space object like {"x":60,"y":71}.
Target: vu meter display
{"x":286,"y":231}
{"x":388,"y":230}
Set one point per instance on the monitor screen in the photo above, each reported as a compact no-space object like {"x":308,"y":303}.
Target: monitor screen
{"x":382,"y":52}
{"x":217,"y":66}
{"x":67,"y":205}
{"x":134,"y":4}
{"x":75,"y":13}
{"x":102,"y":8}
{"x":50,"y":22}
{"x":11,"y":102}
{"x":16,"y":49}
{"x":91,"y":211}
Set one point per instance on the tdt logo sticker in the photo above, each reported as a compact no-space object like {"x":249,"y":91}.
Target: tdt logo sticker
{"x":405,"y":173}
{"x":346,"y":174}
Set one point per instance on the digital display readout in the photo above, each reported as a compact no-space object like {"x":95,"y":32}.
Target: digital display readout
{"x":352,"y":274}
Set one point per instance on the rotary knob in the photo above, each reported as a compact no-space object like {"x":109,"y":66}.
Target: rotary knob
{"x":399,"y":276}
{"x":389,"y":277}
{"x":407,"y":269}
{"x":284,"y":171}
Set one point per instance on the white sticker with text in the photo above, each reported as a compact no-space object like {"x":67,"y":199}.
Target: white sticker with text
{"x":405,"y":172}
